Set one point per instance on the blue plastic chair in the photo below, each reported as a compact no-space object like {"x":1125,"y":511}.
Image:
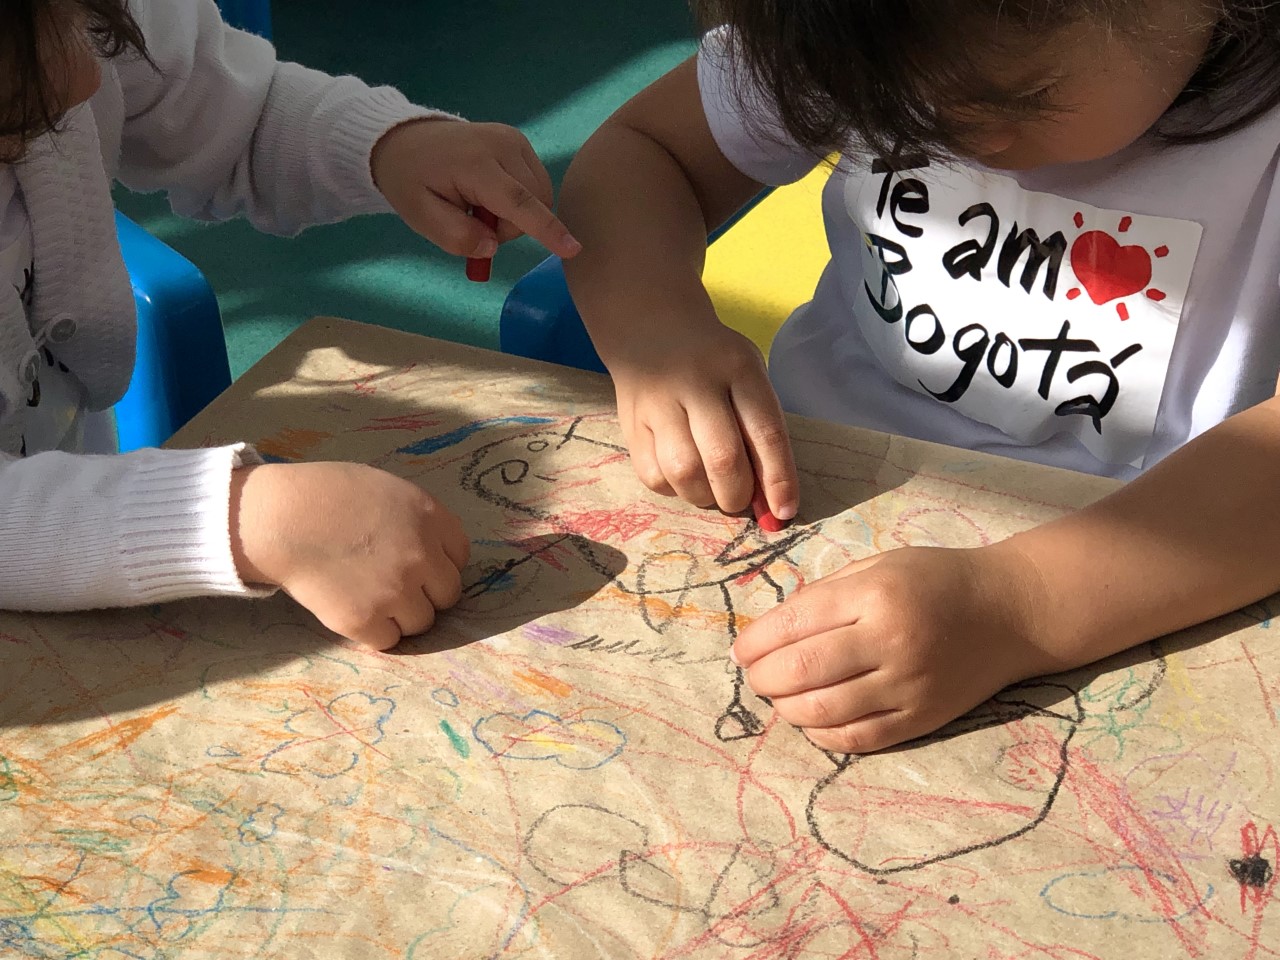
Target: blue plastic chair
{"x":182,"y":353}
{"x":539,"y":320}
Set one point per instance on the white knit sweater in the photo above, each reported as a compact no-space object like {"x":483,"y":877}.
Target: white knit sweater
{"x":226,"y":130}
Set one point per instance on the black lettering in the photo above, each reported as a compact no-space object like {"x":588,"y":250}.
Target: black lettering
{"x":885,"y":248}
{"x":1039,"y":252}
{"x":971,"y":354}
{"x":901,"y":263}
{"x":931,"y":344}
{"x":1006,"y":377}
{"x":1132,"y":350}
{"x":971,"y":257}
{"x":887,"y":314}
{"x":1054,"y":349}
{"x":1088,"y":406}
{"x":909,"y":196}
{"x":887,"y":168}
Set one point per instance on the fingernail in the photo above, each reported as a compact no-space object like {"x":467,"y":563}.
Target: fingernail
{"x":733,"y":657}
{"x":786,"y":512}
{"x":488,"y":247}
{"x":571,"y":245}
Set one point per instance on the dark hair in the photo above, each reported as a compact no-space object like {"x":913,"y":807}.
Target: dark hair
{"x":891,"y":74}
{"x":35,"y":36}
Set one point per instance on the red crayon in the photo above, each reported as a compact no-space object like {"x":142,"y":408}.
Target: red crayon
{"x":479,"y":268}
{"x":760,"y":507}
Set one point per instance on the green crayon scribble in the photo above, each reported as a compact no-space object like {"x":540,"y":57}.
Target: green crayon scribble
{"x":459,"y":744}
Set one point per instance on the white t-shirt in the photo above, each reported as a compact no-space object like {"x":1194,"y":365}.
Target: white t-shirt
{"x":54,"y":415}
{"x":1095,"y":316}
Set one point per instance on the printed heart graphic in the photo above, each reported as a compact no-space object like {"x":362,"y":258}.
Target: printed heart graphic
{"x":1107,"y":270}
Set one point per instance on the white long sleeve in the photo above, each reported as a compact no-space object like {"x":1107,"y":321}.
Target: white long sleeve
{"x":227,"y":129}
{"x":82,"y":532}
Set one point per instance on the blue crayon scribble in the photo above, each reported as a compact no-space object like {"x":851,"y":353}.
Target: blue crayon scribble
{"x":261,"y":824}
{"x":1085,"y":885}
{"x":453,"y":437}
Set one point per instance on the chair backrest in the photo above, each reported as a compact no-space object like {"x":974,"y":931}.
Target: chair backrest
{"x":182,"y":353}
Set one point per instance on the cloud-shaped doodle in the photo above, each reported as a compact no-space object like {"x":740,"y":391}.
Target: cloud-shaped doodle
{"x":328,"y":739}
{"x":1127,"y":893}
{"x":538,"y":735}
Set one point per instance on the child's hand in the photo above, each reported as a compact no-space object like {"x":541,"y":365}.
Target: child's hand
{"x":895,"y":646}
{"x":433,"y":172}
{"x":702,"y":421}
{"x":371,"y":555}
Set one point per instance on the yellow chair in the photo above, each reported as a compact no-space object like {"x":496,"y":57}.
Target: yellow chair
{"x":769,"y":262}
{"x":758,"y":270}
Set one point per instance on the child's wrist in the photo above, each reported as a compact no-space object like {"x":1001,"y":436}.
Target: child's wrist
{"x":1037,"y":614}
{"x":245,"y":523}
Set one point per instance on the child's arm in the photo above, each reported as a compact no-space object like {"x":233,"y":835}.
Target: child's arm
{"x":371,"y":555}
{"x":893,"y":647}
{"x":227,"y":129}
{"x":642,"y":195}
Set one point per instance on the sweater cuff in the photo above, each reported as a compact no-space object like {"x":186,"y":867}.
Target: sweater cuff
{"x":174,"y":526}
{"x":354,"y":134}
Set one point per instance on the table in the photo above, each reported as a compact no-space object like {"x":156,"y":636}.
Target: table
{"x":568,"y":766}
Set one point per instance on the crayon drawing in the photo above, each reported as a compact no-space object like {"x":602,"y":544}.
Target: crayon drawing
{"x":569,"y":766}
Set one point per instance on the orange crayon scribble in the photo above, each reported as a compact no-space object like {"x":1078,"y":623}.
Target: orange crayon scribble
{"x":541,"y":682}
{"x":212,"y":875}
{"x":291,"y":443}
{"x":116,"y":737}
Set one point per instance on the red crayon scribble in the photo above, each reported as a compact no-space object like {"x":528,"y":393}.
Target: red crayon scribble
{"x":1255,"y":871}
{"x":623,"y":524}
{"x":406,"y":421}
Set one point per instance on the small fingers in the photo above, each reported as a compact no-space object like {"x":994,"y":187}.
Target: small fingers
{"x":451,"y":229}
{"x":644,"y":460}
{"x":452,"y":537}
{"x":376,"y":633}
{"x":764,"y":430}
{"x":838,"y":704}
{"x":819,"y":608}
{"x":442,"y":582}
{"x":810,"y":664}
{"x":414,"y":612}
{"x":868,"y":734}
{"x":723,"y":456}
{"x":680,"y":460}
{"x":517,"y":202}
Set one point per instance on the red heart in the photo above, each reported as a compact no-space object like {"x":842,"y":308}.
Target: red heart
{"x":1106,"y":269}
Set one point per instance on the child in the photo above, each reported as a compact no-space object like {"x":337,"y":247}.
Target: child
{"x":1055,"y":234}
{"x":163,"y":96}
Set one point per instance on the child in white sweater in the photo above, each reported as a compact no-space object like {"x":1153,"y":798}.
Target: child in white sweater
{"x":162,"y":95}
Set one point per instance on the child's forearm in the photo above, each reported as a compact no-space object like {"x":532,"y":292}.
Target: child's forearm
{"x":641,"y":196}
{"x":1195,"y":537}
{"x":642,"y":233}
{"x":81,"y":533}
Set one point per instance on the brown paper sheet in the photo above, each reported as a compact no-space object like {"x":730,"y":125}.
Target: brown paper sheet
{"x":569,"y":767}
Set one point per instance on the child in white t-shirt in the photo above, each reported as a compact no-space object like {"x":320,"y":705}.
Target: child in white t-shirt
{"x":1055,"y":235}
{"x":162,"y":95}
